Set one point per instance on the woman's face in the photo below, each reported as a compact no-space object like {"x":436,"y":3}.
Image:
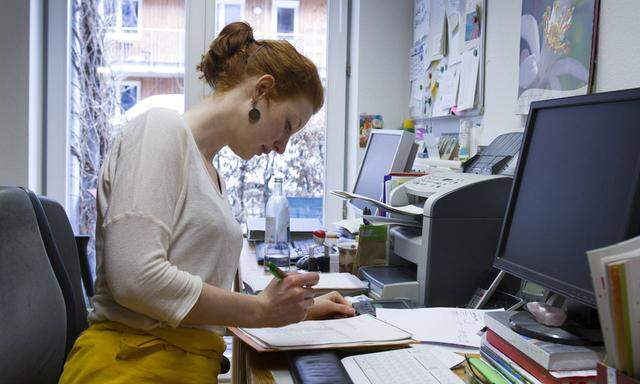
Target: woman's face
{"x":279,"y":120}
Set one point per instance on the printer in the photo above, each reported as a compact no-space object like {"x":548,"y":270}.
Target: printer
{"x":443,"y":262}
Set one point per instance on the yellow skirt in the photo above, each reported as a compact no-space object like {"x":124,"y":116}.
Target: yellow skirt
{"x":113,"y":353}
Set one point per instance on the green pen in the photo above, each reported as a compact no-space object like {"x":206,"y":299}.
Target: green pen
{"x":277,"y":272}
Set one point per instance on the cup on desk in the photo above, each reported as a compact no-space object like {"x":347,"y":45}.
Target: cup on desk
{"x":347,"y":252}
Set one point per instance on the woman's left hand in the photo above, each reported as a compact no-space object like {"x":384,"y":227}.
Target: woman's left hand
{"x":330,"y":306}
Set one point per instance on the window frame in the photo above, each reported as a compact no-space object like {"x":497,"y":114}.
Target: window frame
{"x":221,"y":15}
{"x":288,"y":4}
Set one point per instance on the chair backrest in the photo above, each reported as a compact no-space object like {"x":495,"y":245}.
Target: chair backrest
{"x":64,"y":281}
{"x":32,"y":308}
{"x":65,"y":241}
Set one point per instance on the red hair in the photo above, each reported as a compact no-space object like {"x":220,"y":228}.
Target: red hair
{"x":235,"y":55}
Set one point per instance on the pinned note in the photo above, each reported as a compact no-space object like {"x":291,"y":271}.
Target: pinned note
{"x":468,"y":80}
{"x":417,"y":61}
{"x":437,"y":30}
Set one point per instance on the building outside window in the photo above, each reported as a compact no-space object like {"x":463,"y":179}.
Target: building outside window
{"x":229,"y":11}
{"x":140,"y":65}
{"x":303,"y":23}
{"x":129,"y":92}
{"x":285,"y":18}
{"x":121,"y":16}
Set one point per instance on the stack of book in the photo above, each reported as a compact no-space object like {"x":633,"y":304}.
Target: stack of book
{"x":615,"y":272}
{"x":521,"y":359}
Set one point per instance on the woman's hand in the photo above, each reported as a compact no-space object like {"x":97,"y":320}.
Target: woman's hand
{"x":330,"y":306}
{"x":286,"y":301}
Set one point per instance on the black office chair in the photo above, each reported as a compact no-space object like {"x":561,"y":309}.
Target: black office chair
{"x":62,"y":267}
{"x":65,"y":241}
{"x":82,"y":244}
{"x":32,"y":307}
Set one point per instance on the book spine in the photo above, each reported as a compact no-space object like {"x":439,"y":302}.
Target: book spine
{"x":632,"y":276}
{"x":626,"y":316}
{"x":537,"y":354}
{"x":601,"y":290}
{"x":521,"y":359}
{"x":504,"y":367}
{"x":618,"y":316}
{"x":502,"y":357}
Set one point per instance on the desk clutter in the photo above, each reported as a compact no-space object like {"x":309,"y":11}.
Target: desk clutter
{"x":615,"y":271}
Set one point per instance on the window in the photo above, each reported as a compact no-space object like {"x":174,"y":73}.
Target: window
{"x":125,"y":59}
{"x":121,"y":16}
{"x":129,"y":92}
{"x":229,"y":11}
{"x":285,"y":18}
{"x":249,"y":183}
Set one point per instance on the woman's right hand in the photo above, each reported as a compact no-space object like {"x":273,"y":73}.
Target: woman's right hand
{"x":288,"y":300}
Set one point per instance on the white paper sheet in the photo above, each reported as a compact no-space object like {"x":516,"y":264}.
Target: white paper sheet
{"x":437,"y":28}
{"x":455,"y":348}
{"x":417,"y":61}
{"x":453,"y":20}
{"x":410,"y":209}
{"x":364,"y":328}
{"x":421,"y":10}
{"x":449,"y":358}
{"x":448,"y":91}
{"x":440,"y":325}
{"x":468,"y":80}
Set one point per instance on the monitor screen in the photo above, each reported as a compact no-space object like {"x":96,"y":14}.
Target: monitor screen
{"x":377,"y":162}
{"x":575,"y":190}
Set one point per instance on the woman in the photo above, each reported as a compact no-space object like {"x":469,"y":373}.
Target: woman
{"x":167,"y":244}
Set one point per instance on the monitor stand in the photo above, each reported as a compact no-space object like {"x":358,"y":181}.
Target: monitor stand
{"x":571,"y":332}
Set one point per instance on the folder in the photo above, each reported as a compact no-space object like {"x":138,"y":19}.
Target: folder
{"x":353,"y":332}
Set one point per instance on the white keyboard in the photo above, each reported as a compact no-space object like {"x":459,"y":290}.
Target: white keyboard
{"x":404,"y":366}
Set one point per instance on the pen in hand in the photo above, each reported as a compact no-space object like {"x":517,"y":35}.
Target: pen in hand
{"x":277,"y":272}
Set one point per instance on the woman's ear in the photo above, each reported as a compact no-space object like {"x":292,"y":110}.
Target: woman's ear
{"x":263,"y":86}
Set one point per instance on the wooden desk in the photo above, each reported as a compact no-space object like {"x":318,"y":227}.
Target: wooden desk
{"x":251,"y":367}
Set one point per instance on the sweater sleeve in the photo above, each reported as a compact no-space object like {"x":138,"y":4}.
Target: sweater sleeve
{"x":147,"y":187}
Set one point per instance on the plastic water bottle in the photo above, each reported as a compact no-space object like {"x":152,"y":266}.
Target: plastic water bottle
{"x":277,"y":228}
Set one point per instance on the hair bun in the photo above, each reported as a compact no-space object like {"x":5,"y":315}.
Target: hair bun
{"x":224,"y":51}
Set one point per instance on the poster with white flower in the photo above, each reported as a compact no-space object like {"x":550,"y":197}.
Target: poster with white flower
{"x":557,"y":46}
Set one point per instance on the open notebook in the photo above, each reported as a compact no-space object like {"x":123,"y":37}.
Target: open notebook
{"x":359,"y":331}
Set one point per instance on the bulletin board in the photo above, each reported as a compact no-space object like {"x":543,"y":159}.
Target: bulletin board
{"x":447,"y":59}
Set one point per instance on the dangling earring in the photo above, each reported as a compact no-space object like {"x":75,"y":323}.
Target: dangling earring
{"x":254,"y":113}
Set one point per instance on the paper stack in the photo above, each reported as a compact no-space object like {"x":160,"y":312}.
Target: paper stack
{"x":359,"y":331}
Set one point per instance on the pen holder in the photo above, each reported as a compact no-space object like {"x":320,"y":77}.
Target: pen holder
{"x":372,"y":246}
{"x":610,"y":375}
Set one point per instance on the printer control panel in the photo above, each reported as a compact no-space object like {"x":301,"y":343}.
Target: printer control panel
{"x":426,"y":186}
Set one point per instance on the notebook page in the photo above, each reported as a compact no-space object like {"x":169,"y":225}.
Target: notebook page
{"x":357,"y":329}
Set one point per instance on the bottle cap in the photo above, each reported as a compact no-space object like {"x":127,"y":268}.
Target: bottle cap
{"x":278,"y":179}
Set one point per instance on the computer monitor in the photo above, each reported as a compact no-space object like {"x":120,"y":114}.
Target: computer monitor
{"x":387,"y":151}
{"x":575,"y":189}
